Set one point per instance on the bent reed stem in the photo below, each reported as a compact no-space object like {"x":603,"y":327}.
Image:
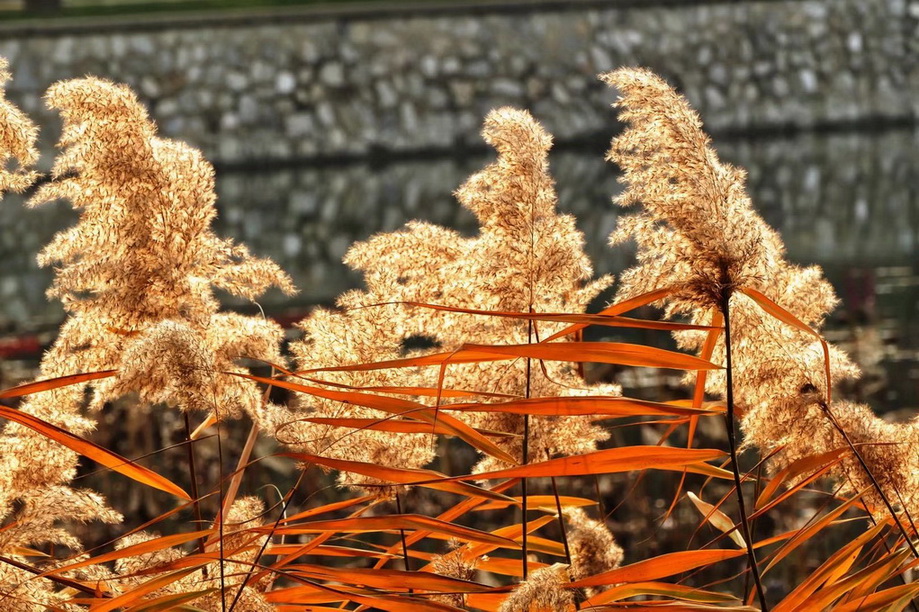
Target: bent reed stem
{"x":732,"y":443}
{"x":874,"y":482}
{"x":408,"y":567}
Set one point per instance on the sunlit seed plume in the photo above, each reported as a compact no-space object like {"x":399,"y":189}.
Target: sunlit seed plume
{"x":17,"y":141}
{"x":526,"y":257}
{"x":33,"y":500}
{"x":593,"y":548}
{"x":543,"y":591}
{"x":698,"y":232}
{"x":699,"y":235}
{"x":136,"y":277}
{"x":137,"y":272}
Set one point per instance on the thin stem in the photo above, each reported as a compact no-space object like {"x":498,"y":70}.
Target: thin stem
{"x":220,"y":519}
{"x":61,"y":580}
{"x":735,"y":468}
{"x":561,"y":521}
{"x":408,"y":567}
{"x":236,"y":479}
{"x":525,"y":492}
{"x":526,"y":458}
{"x":287,"y":499}
{"x":874,"y":482}
{"x":193,"y":476}
{"x":561,"y":525}
{"x":756,"y":492}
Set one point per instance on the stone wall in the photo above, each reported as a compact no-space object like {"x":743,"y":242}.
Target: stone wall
{"x":264,"y":88}
{"x":844,"y":201}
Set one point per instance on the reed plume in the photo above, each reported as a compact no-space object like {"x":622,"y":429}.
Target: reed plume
{"x":526,"y":258}
{"x":545,"y":590}
{"x":34,"y":499}
{"x":135,"y":276}
{"x":17,"y":141}
{"x":592,"y":546}
{"x":699,"y":235}
{"x":136,"y":273}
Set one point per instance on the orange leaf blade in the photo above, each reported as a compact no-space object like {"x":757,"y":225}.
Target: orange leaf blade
{"x":95,"y":452}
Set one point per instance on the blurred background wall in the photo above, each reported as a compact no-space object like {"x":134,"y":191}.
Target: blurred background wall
{"x":331,"y":122}
{"x":260,"y":86}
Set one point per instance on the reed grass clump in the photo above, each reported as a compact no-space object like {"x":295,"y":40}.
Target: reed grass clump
{"x":454,"y":342}
{"x":527,"y":258}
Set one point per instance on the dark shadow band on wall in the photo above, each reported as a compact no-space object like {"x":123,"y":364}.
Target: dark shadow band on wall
{"x":23,"y":25}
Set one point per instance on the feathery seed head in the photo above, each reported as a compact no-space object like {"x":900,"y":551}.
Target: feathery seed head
{"x":136,"y":276}
{"x":698,"y":220}
{"x":17,"y":141}
{"x":543,"y":591}
{"x":699,"y":235}
{"x":526,"y":257}
{"x":593,"y":548}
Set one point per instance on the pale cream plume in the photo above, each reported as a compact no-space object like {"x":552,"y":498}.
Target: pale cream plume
{"x":135,"y":276}
{"x":543,"y":591}
{"x":526,"y":256}
{"x":699,"y":235}
{"x":17,"y":141}
{"x":593,"y":548}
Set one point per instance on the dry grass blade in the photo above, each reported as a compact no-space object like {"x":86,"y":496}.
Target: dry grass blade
{"x":601,"y":318}
{"x":889,"y":566}
{"x":54,"y":383}
{"x":541,"y":502}
{"x":503,"y":566}
{"x":513,"y":532}
{"x":305,"y":596}
{"x":617,"y":309}
{"x":866,"y":581}
{"x":75,"y":586}
{"x":436,"y":359}
{"x":171,"y":602}
{"x":610,"y":406}
{"x":460,"y":509}
{"x":375,"y":602}
{"x":660,"y":567}
{"x":95,"y":452}
{"x":717,"y":518}
{"x":277,"y":550}
{"x":200,"y":429}
{"x":619,"y":353}
{"x":806,"y":533}
{"x":333,"y":507}
{"x":401,"y":476}
{"x":393,"y":522}
{"x":676,"y":591}
{"x":389,"y":580}
{"x":395,"y":425}
{"x":613,"y":460}
{"x":489,"y":602}
{"x":790,"y":492}
{"x":140,"y":591}
{"x":893,"y":599}
{"x":399,"y":407}
{"x":804,"y":465}
{"x":413,"y":390}
{"x":145,"y":547}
